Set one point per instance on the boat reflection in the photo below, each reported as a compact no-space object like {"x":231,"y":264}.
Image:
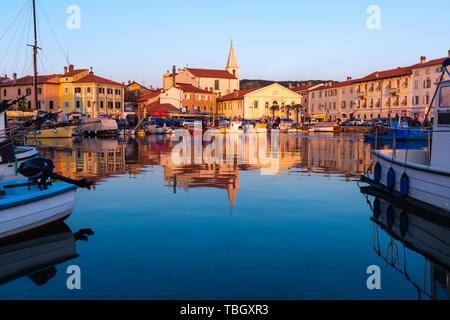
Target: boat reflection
{"x":406,"y":228}
{"x":36,"y":254}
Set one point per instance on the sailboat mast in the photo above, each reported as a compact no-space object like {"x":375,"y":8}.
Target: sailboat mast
{"x":35,"y":48}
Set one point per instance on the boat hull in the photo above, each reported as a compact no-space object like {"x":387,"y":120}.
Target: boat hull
{"x":60,"y":133}
{"x":46,"y":208}
{"x":8,"y":169}
{"x":427,"y":184}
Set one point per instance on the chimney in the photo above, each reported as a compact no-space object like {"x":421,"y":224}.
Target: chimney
{"x":92,"y":70}
{"x":151,"y":88}
{"x":15,"y":76}
{"x":449,"y":53}
{"x":423,"y":59}
{"x":173,"y":75}
{"x":377,"y":74}
{"x":290,"y":85}
{"x":349,"y":78}
{"x":309,"y":83}
{"x":71,"y":67}
{"x":235,"y":93}
{"x":65,"y":69}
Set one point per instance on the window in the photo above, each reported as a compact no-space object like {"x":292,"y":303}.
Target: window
{"x":4,"y":92}
{"x":89,"y":104}
{"x":427,"y":83}
{"x":117,"y":105}
{"x":28,"y":91}
{"x":426,"y":99}
{"x":255,"y":104}
{"x":77,"y":90}
{"x":267,"y":105}
{"x":78,"y":104}
{"x":216,"y":85}
{"x":66,"y":90}
{"x":416,"y":100}
{"x":88,"y":89}
{"x":50,"y":104}
{"x":19,"y":92}
{"x":101,"y":104}
{"x":110,"y":105}
{"x":66,"y":105}
{"x":39,"y":90}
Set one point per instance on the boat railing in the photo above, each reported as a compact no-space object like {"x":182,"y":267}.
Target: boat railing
{"x":394,"y":130}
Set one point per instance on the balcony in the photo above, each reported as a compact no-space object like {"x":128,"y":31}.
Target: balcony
{"x":393,"y":91}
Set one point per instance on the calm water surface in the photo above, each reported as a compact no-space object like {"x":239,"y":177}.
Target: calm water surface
{"x":221,"y":231}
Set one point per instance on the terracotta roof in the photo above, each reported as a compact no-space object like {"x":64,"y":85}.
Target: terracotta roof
{"x":211,"y":73}
{"x":28,"y":80}
{"x":236,"y":95}
{"x":429,"y":63}
{"x":336,"y":85}
{"x":73,"y":72}
{"x":149,"y":96}
{"x":158,"y":107}
{"x":386,"y":74}
{"x":190,"y":88}
{"x":91,"y":78}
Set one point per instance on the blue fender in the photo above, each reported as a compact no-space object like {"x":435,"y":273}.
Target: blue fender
{"x":404,"y":184}
{"x":377,"y":172}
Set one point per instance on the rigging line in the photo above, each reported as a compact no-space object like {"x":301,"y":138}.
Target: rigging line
{"x":27,"y":56}
{"x":54,"y":34}
{"x":10,"y":43}
{"x":21,"y":43}
{"x":15,"y":19}
{"x":42,"y":64}
{"x":48,"y":61}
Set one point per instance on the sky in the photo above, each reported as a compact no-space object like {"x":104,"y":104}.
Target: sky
{"x":295,"y":40}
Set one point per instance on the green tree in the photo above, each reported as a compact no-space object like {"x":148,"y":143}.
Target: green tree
{"x":274,"y":107}
{"x":22,"y":105}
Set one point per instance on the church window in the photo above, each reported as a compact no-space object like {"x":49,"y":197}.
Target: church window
{"x":216,"y":85}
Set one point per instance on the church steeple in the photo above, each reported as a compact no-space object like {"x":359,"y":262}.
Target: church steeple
{"x":232,"y":64}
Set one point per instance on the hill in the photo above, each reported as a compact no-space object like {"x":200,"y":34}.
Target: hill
{"x":250,"y":84}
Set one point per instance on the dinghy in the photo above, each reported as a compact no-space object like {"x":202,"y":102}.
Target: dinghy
{"x":26,"y":205}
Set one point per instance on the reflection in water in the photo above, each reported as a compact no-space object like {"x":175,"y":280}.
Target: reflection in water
{"x":36,"y":254}
{"x":409,"y":229}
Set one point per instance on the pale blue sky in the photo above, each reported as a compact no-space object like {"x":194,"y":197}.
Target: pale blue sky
{"x":274,"y":40}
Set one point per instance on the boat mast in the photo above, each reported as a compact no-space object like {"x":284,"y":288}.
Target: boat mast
{"x":35,"y":48}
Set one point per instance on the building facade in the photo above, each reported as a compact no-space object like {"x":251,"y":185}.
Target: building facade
{"x":221,"y":82}
{"x":272,"y":100}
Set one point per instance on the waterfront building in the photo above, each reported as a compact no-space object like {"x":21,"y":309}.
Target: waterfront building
{"x":134,"y":91}
{"x":189,"y":98}
{"x":260,"y":102}
{"x":83,"y":91}
{"x":332,"y":101}
{"x":48,"y":92}
{"x":304,"y":90}
{"x":221,"y":82}
{"x":384,"y":93}
{"x":424,"y":77}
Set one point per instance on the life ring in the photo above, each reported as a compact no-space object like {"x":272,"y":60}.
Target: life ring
{"x":390,"y":182}
{"x":403,"y":223}
{"x":404,"y":184}
{"x":377,"y":172}
{"x":376,"y":208}
{"x":390,"y":216}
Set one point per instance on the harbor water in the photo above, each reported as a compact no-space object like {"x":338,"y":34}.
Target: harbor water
{"x":165,"y":230}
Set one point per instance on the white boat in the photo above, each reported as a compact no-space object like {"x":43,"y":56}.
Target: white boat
{"x":26,"y":208}
{"x":324,"y":127}
{"x":423,"y":175}
{"x":235,"y":127}
{"x":98,"y":126}
{"x":11,"y":157}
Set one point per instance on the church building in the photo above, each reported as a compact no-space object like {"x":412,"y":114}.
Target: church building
{"x":221,"y":82}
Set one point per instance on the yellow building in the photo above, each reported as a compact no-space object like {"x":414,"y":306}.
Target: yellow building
{"x":82,"y":91}
{"x":272,"y":100}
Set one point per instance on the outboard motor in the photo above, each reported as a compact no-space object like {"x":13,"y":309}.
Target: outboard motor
{"x":39,"y":170}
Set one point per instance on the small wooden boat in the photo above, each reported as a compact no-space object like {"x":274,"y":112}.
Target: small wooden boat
{"x":53,"y":133}
{"x":400,"y":130}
